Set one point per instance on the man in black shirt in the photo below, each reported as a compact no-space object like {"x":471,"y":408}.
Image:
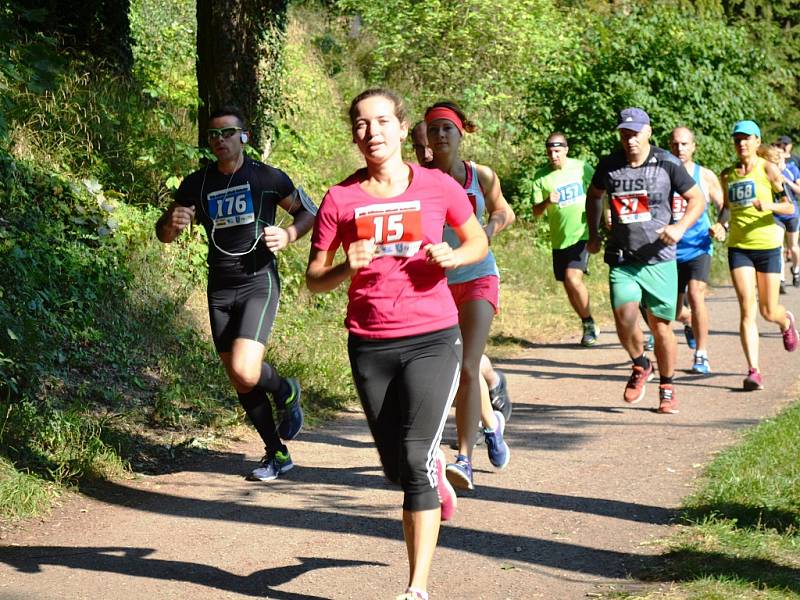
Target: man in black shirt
{"x":640,"y":181}
{"x":235,"y":200}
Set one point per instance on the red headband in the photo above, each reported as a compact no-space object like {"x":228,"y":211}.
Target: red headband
{"x":442,"y":112}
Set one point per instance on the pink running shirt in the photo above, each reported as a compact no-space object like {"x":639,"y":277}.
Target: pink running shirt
{"x":399,"y":293}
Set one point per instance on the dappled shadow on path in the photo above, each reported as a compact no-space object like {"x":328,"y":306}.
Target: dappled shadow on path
{"x":618,"y":509}
{"x":134,"y":562}
{"x":571,"y":346}
{"x":501,"y":546}
{"x":346,"y":433}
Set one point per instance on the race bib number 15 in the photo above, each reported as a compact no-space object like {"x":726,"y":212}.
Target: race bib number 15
{"x":631,"y":207}
{"x":396,"y":227}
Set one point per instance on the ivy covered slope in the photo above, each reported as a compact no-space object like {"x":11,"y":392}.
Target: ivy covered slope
{"x":101,"y":362}
{"x":105,"y":361}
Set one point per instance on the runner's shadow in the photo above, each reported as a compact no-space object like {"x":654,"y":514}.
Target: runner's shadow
{"x":318,"y":437}
{"x":605,"y":372}
{"x":135,"y":562}
{"x":518,"y":547}
{"x":354,"y":477}
{"x":618,"y":509}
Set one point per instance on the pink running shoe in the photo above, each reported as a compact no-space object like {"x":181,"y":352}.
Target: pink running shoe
{"x":753,"y":381}
{"x":447,"y":495}
{"x":790,"y":335}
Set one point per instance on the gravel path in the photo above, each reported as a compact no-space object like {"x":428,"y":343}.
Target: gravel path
{"x":592,"y":484}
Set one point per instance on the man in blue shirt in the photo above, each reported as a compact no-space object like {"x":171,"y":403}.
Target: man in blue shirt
{"x":694,"y":250}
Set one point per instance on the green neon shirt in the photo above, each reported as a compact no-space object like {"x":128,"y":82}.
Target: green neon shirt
{"x":568,"y":217}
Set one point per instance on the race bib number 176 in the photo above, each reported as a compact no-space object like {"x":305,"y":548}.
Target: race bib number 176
{"x":631,"y":207}
{"x":396,"y":227}
{"x":231,"y":207}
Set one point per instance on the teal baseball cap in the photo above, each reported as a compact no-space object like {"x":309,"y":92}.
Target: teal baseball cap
{"x":746,"y":128}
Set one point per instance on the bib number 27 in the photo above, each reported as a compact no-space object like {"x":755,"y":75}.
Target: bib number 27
{"x":632,"y":207}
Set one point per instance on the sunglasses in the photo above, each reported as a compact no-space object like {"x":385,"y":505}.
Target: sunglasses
{"x":224,"y":132}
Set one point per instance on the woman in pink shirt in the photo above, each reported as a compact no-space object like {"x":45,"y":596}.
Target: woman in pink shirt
{"x":404,"y":342}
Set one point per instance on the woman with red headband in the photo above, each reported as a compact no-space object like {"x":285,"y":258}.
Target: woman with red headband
{"x":475,"y":289}
{"x":404,"y":343}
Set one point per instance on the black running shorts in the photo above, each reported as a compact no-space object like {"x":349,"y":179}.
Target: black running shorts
{"x":246,"y":310}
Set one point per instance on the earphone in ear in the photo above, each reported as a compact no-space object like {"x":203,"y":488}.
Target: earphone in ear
{"x":244,"y":137}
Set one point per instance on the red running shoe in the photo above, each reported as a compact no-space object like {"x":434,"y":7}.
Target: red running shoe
{"x":634,"y":390}
{"x":753,"y":381}
{"x":667,"y":402}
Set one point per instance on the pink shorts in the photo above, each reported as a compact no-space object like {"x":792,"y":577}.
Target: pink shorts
{"x":484,"y":288}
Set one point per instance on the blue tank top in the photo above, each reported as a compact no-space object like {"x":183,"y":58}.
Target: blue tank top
{"x":696,"y":240}
{"x":487,"y":266}
{"x":790,"y":173}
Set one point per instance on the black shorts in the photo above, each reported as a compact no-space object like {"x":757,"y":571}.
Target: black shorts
{"x":697,"y":268}
{"x":246,"y":310}
{"x":790,"y":225}
{"x":763,"y":261}
{"x":406,"y":386}
{"x":571,"y":257}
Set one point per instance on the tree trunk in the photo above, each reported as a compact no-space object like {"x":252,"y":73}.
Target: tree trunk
{"x":239,"y":60}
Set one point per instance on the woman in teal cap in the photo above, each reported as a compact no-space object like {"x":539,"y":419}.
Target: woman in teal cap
{"x":753,"y":194}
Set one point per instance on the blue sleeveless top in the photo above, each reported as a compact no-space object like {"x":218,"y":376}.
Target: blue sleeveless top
{"x":487,"y":266}
{"x":696,"y":240}
{"x":790,"y":173}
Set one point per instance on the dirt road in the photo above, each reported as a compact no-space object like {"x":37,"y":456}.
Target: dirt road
{"x":591,"y":485}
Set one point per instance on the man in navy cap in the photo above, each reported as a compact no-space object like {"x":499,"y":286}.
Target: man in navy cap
{"x":640,"y":181}
{"x":785,"y":142}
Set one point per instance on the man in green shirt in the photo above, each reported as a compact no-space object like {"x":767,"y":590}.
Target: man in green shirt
{"x":559,"y":190}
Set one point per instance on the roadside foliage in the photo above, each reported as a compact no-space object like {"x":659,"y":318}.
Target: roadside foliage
{"x":105,"y":363}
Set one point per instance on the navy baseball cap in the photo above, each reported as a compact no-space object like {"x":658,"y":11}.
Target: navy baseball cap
{"x":632,"y":118}
{"x":784,"y":140}
{"x":747,"y":128}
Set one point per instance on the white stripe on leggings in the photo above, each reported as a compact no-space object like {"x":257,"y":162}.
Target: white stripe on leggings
{"x":437,"y":439}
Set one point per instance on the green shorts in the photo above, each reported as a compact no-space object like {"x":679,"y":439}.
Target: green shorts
{"x":656,"y":284}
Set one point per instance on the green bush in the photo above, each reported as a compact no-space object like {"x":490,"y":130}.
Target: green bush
{"x":480,"y":53}
{"x":683,"y":68}
{"x":164,"y":47}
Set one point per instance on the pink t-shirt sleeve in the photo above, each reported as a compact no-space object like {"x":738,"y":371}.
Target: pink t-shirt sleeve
{"x":326,"y":226}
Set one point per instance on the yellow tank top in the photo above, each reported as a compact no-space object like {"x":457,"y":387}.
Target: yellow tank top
{"x":751,"y":229}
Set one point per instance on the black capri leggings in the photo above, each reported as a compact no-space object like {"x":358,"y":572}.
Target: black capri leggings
{"x":406,"y":386}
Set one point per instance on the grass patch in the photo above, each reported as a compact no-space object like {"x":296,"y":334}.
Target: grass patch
{"x":533,"y":305}
{"x":22,"y":494}
{"x":741,"y":537}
